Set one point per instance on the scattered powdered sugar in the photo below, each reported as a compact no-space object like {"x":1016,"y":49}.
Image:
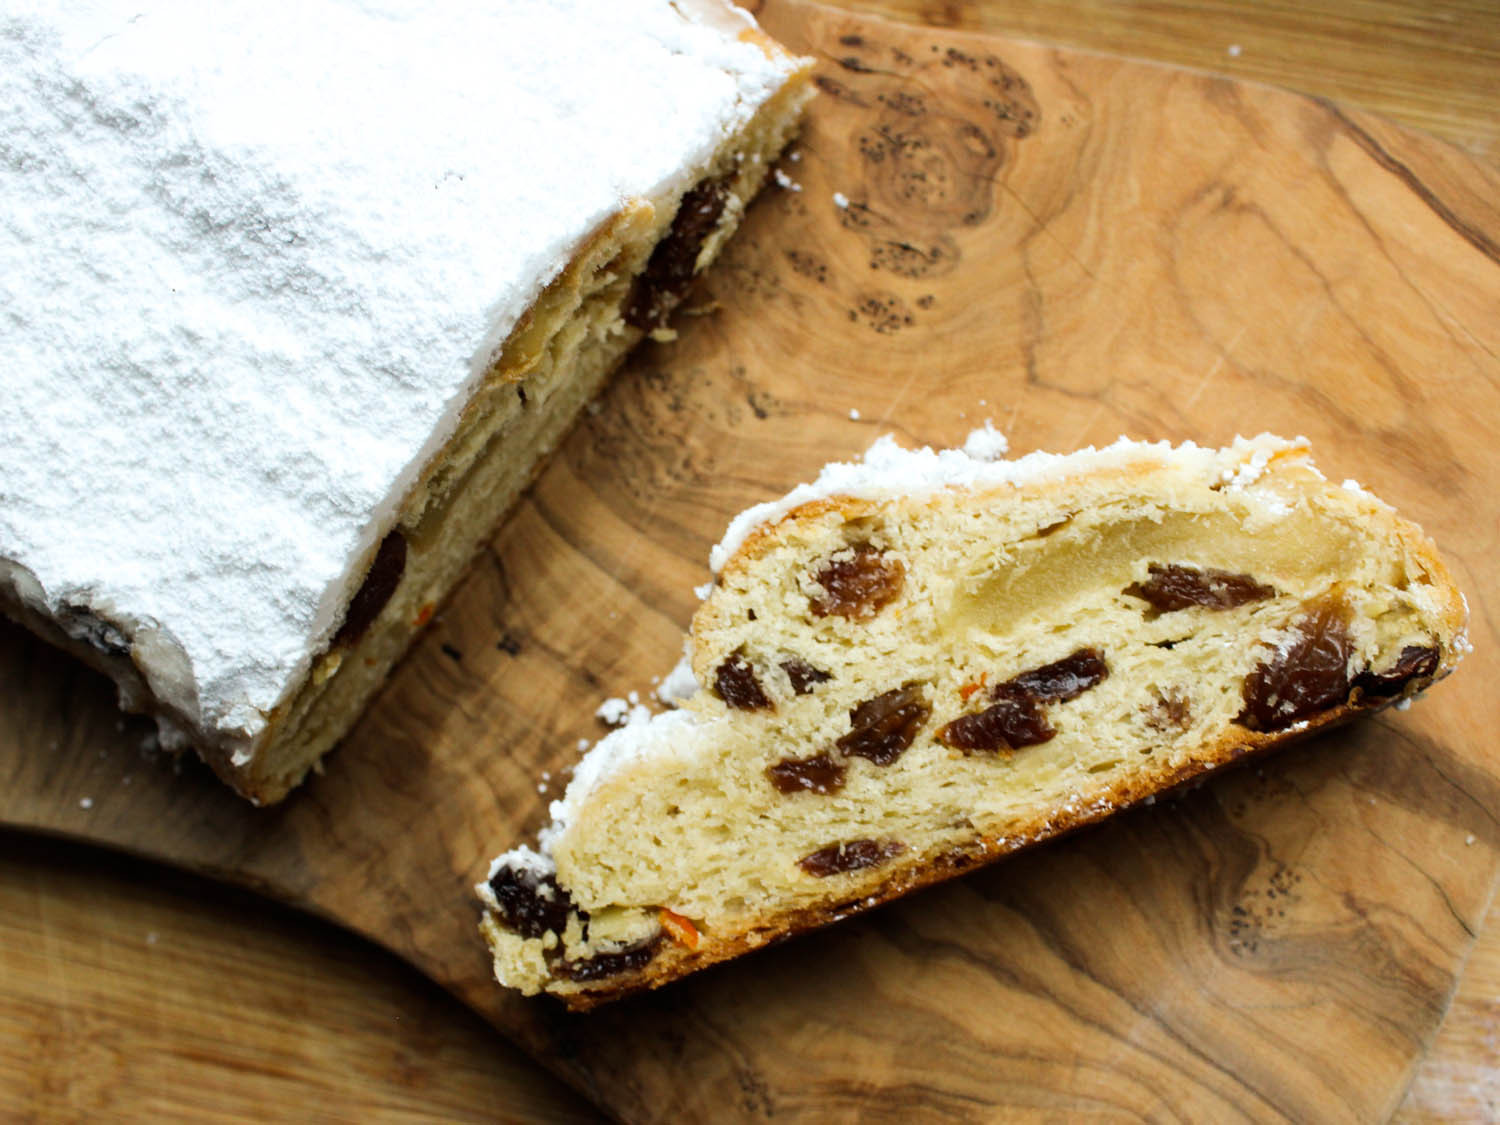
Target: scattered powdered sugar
{"x":617,"y":711}
{"x":784,"y":181}
{"x":679,"y":684}
{"x":254,"y":258}
{"x":887,"y":471}
{"x":986,"y":443}
{"x":840,"y":200}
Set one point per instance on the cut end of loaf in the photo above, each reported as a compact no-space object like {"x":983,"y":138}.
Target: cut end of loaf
{"x":926,"y":661}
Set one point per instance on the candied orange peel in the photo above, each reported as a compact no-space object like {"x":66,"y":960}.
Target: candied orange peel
{"x":681,"y":929}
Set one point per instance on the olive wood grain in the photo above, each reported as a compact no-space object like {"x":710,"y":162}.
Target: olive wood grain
{"x":1074,"y":246}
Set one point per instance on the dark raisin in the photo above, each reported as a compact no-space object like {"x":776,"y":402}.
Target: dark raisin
{"x":737,"y":685}
{"x":602,"y":965}
{"x":671,"y":265}
{"x":858,"y":585}
{"x":1307,"y":674}
{"x":818,"y":774}
{"x":1010,"y":724}
{"x":1173,"y":587}
{"x":530,"y":904}
{"x":1059,"y":681}
{"x":1415,"y":662}
{"x":1015,"y":719}
{"x":803,"y":675}
{"x":880,"y":729}
{"x":852,"y":855}
{"x":379,"y":584}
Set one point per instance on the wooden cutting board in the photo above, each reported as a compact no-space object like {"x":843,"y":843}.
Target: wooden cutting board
{"x":1072,"y":246}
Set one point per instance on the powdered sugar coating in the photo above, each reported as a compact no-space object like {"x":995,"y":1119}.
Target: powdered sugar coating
{"x":253,"y":259}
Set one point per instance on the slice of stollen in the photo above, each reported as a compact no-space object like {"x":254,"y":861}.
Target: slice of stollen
{"x":924,"y":661}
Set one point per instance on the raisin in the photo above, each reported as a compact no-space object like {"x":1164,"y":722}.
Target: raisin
{"x":1308,"y":674}
{"x":379,"y":584}
{"x":803,"y":675}
{"x":1010,"y":724}
{"x":1167,"y":710}
{"x":737,"y":685}
{"x":1059,"y":681}
{"x":817,"y":774}
{"x":601,"y":965}
{"x":670,"y":268}
{"x":859,"y":585}
{"x":881,"y":729}
{"x":852,"y":855}
{"x":1015,"y":718}
{"x":1415,"y":662}
{"x":1174,"y":587}
{"x":530,"y":904}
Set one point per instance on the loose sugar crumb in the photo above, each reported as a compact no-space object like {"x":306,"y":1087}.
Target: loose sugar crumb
{"x":840,"y":200}
{"x":613,"y":711}
{"x":986,"y":443}
{"x":679,"y":684}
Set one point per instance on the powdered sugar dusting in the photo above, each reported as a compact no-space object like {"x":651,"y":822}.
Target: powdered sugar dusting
{"x":986,"y":443}
{"x":254,"y":258}
{"x":679,"y":684}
